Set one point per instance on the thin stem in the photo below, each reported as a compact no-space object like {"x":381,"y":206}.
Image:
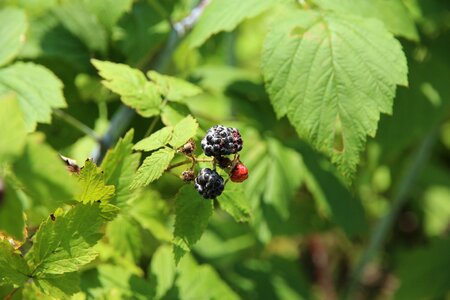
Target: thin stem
{"x":160,"y":63}
{"x":76,"y":124}
{"x":203,"y":159}
{"x":11,"y":294}
{"x":159,"y":9}
{"x":155,"y":120}
{"x":181,"y":163}
{"x":400,"y":198}
{"x":119,"y":123}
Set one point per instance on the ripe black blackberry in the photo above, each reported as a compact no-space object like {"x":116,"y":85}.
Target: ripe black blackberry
{"x":221,"y":140}
{"x":209,"y":183}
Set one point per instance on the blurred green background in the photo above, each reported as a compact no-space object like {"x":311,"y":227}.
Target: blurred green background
{"x":310,"y":228}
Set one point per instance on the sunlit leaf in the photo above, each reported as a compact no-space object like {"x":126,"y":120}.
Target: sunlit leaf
{"x":153,"y":167}
{"x":332,"y":75}
{"x":37,"y":89}
{"x":192,"y":214}
{"x":13,"y":26}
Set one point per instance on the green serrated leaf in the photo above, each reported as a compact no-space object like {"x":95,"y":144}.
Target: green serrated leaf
{"x":332,"y":197}
{"x":120,"y":165}
{"x":153,"y":167}
{"x":64,"y":242}
{"x":37,"y":89}
{"x":43,"y":175}
{"x":393,"y":13}
{"x":195,"y":282}
{"x":173,"y":113}
{"x":140,"y":33}
{"x":225,"y":15}
{"x":125,"y":236}
{"x":83,"y":23}
{"x":155,"y":141}
{"x":13,"y":26}
{"x":115,"y":282}
{"x":13,"y":133}
{"x":11,"y":211}
{"x":279,"y":168}
{"x":92,"y":184}
{"x":417,"y":267}
{"x":332,"y":75}
{"x":234,"y":201}
{"x":13,"y":267}
{"x":108,"y":12}
{"x":183,"y":131}
{"x":172,"y":88}
{"x":58,"y":286}
{"x":192,"y":214}
{"x":163,"y":269}
{"x":152,"y":212}
{"x":132,"y":86}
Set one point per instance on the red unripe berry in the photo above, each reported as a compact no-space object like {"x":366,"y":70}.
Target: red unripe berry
{"x":239,"y":173}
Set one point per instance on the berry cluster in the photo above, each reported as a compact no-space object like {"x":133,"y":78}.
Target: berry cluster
{"x":218,"y":142}
{"x":209,"y":183}
{"x":221,"y":140}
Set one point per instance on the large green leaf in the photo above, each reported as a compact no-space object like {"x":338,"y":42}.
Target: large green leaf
{"x":235,"y":202}
{"x":225,"y":15}
{"x":83,"y":23}
{"x":333,"y":199}
{"x":11,"y":211}
{"x":333,"y":75}
{"x":64,"y":242}
{"x":172,"y":88}
{"x":421,"y":272}
{"x":92,"y":184}
{"x":115,"y":282}
{"x":13,"y":133}
{"x":163,"y":270}
{"x":152,"y":213}
{"x":108,"y":12}
{"x":132,"y":86}
{"x":192,"y":214}
{"x":43,"y":175}
{"x":393,"y":13}
{"x":140,"y":33}
{"x":13,"y":26}
{"x":201,"y":282}
{"x":275,"y":174}
{"x":120,"y":165}
{"x":38,"y":91}
{"x":59,"y":286}
{"x":153,"y":167}
{"x":183,"y":131}
{"x":13,"y":268}
{"x":125,"y":236}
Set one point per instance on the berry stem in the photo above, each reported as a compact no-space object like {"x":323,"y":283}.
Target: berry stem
{"x":178,"y":164}
{"x":203,"y":159}
{"x":76,"y":124}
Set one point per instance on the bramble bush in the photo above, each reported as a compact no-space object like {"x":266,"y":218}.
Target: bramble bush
{"x":224,"y":149}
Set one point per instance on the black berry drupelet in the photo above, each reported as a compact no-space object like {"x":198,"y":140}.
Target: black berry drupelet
{"x":209,"y":183}
{"x":221,"y":140}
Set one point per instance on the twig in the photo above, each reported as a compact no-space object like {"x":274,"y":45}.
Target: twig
{"x":155,"y":120}
{"x":400,"y":197}
{"x":11,"y":294}
{"x":181,"y":163}
{"x":125,"y":114}
{"x":76,"y":124}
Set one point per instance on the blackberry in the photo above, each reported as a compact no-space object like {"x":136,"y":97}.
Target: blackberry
{"x":209,"y":183}
{"x":221,"y":140}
